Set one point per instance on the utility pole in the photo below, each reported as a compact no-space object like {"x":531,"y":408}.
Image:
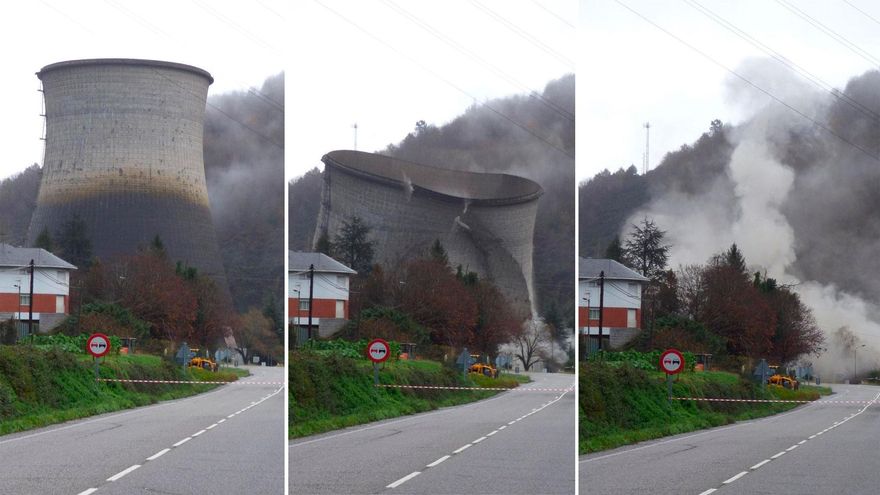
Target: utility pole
{"x":311,"y":296}
{"x":601,"y":304}
{"x":31,"y":302}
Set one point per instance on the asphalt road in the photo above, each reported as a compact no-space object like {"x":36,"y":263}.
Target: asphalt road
{"x":820,"y":448}
{"x":226,"y":441}
{"x":518,"y":442}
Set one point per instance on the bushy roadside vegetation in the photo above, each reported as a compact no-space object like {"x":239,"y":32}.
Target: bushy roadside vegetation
{"x":330,"y":391}
{"x":620,"y":404}
{"x":39,"y":386}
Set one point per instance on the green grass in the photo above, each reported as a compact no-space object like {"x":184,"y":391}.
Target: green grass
{"x":43,"y":387}
{"x":620,"y":404}
{"x":329,"y":392}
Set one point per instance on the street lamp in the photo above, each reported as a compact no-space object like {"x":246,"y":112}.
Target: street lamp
{"x":587,"y":337}
{"x":855,"y":374}
{"x":18,"y":305}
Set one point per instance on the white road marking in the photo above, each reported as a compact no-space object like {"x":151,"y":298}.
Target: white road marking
{"x":87,"y":492}
{"x":158,"y":454}
{"x":199,"y":433}
{"x":756,"y":466}
{"x":512,"y":422}
{"x":778,"y":455}
{"x":461,"y":449}
{"x":490,"y":434}
{"x":438,"y":461}
{"x":479,"y":440}
{"x":212,"y":426}
{"x":502,"y":427}
{"x":791,"y":448}
{"x":222,"y":420}
{"x":812,"y":436}
{"x":740,"y":475}
{"x":178,"y":444}
{"x":231,"y":415}
{"x":123,"y":473}
{"x":404,"y":479}
{"x":707,"y":492}
{"x":802,"y":442}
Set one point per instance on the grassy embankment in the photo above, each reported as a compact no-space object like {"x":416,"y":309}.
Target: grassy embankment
{"x":620,"y":404}
{"x":329,"y":392}
{"x":42,"y":387}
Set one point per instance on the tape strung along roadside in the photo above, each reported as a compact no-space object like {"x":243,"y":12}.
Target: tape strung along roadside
{"x":708,"y":399}
{"x":194,"y":382}
{"x":477,"y":389}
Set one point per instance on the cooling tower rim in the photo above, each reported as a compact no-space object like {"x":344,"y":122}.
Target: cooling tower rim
{"x":126,"y":62}
{"x":452,"y":185}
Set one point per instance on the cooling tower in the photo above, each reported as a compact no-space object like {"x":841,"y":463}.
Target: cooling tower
{"x":124,"y":152}
{"x":485,"y":222}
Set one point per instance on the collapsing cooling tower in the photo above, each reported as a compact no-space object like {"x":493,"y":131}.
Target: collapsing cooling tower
{"x":485,"y":222}
{"x":124,"y":153}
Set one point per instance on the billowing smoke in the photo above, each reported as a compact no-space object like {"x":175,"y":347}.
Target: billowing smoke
{"x":244,"y":167}
{"x":799,"y":196}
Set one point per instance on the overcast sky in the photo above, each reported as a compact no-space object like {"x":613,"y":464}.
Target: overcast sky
{"x":632,"y":72}
{"x":239,"y":43}
{"x":384,"y":65}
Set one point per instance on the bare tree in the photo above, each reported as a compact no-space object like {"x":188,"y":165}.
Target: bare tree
{"x":531,"y":343}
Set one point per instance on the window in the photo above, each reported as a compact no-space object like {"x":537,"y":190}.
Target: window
{"x":342,"y":281}
{"x":594,"y":313}
{"x":24,"y":300}
{"x":631,"y":318}
{"x":303,"y":304}
{"x":62,"y":276}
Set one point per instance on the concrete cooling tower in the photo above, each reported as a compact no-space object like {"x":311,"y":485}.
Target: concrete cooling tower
{"x":485,"y":222}
{"x":124,"y":152}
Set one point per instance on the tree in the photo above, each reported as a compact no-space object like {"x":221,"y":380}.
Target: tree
{"x":352,"y":245}
{"x":644,"y":250}
{"x":530,"y":343}
{"x":614,"y":251}
{"x":438,"y":253}
{"x":323,"y":245}
{"x":74,"y":243}
{"x":44,"y":240}
{"x":254,"y":336}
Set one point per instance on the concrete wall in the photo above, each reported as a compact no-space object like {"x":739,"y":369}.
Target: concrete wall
{"x":124,"y":152}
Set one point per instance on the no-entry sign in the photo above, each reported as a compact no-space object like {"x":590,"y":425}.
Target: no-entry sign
{"x":378,"y":350}
{"x":98,"y":345}
{"x":671,"y":362}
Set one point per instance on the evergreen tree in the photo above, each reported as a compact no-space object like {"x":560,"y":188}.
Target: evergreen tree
{"x":614,"y":250}
{"x":644,"y":250}
{"x":44,"y":241}
{"x":74,"y":243}
{"x":353,"y":247}
{"x":323,"y":245}
{"x":438,"y":253}
{"x":733,"y":257}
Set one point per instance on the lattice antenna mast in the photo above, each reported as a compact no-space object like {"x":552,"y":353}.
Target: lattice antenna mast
{"x":646,"y":165}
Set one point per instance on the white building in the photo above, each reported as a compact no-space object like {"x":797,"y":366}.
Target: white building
{"x":622,"y":302}
{"x":330,"y":296}
{"x":51,"y":288}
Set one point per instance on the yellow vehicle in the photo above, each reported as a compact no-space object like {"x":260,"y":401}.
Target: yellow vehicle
{"x":784,"y":380}
{"x":204,"y":363}
{"x":483,"y":369}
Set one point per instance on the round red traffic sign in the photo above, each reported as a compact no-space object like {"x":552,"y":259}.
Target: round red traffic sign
{"x":378,"y":350}
{"x":671,"y":362}
{"x":98,"y":344}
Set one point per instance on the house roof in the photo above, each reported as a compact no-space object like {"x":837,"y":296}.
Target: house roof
{"x":21,"y":257}
{"x":299,"y":261}
{"x":591,"y":267}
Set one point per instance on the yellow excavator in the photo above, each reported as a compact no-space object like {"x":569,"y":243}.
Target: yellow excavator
{"x":483,"y":369}
{"x":202,"y":362}
{"x":782,"y":380}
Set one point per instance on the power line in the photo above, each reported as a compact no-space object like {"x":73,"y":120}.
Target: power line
{"x":749,"y":82}
{"x":818,"y":82}
{"x":554,"y":14}
{"x":454,"y":44}
{"x":829,"y":32}
{"x":447,"y":81}
{"x":523,"y":34}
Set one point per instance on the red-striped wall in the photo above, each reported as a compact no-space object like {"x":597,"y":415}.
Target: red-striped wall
{"x":321,"y":308}
{"x":43,"y":303}
{"x":611,"y":318}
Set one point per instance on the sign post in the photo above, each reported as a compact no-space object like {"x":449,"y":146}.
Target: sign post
{"x":378,"y":351}
{"x":97,"y":345}
{"x":671,"y":363}
{"x":464,"y":359}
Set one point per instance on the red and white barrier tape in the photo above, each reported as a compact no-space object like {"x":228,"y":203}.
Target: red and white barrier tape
{"x":778,"y":400}
{"x":477,"y":389}
{"x":239,"y":382}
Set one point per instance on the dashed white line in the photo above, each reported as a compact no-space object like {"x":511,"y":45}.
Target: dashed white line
{"x":158,"y":454}
{"x":707,"y":492}
{"x":123,"y":473}
{"x":479,"y":440}
{"x":502,"y":427}
{"x":512,"y":422}
{"x":812,"y":436}
{"x":178,"y":444}
{"x":492,"y":433}
{"x":222,"y":420}
{"x":791,"y":448}
{"x":88,"y":492}
{"x":404,"y":479}
{"x":212,"y":426}
{"x":457,"y":451}
{"x":756,"y":466}
{"x":738,"y":476}
{"x":438,"y":461}
{"x":802,"y":442}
